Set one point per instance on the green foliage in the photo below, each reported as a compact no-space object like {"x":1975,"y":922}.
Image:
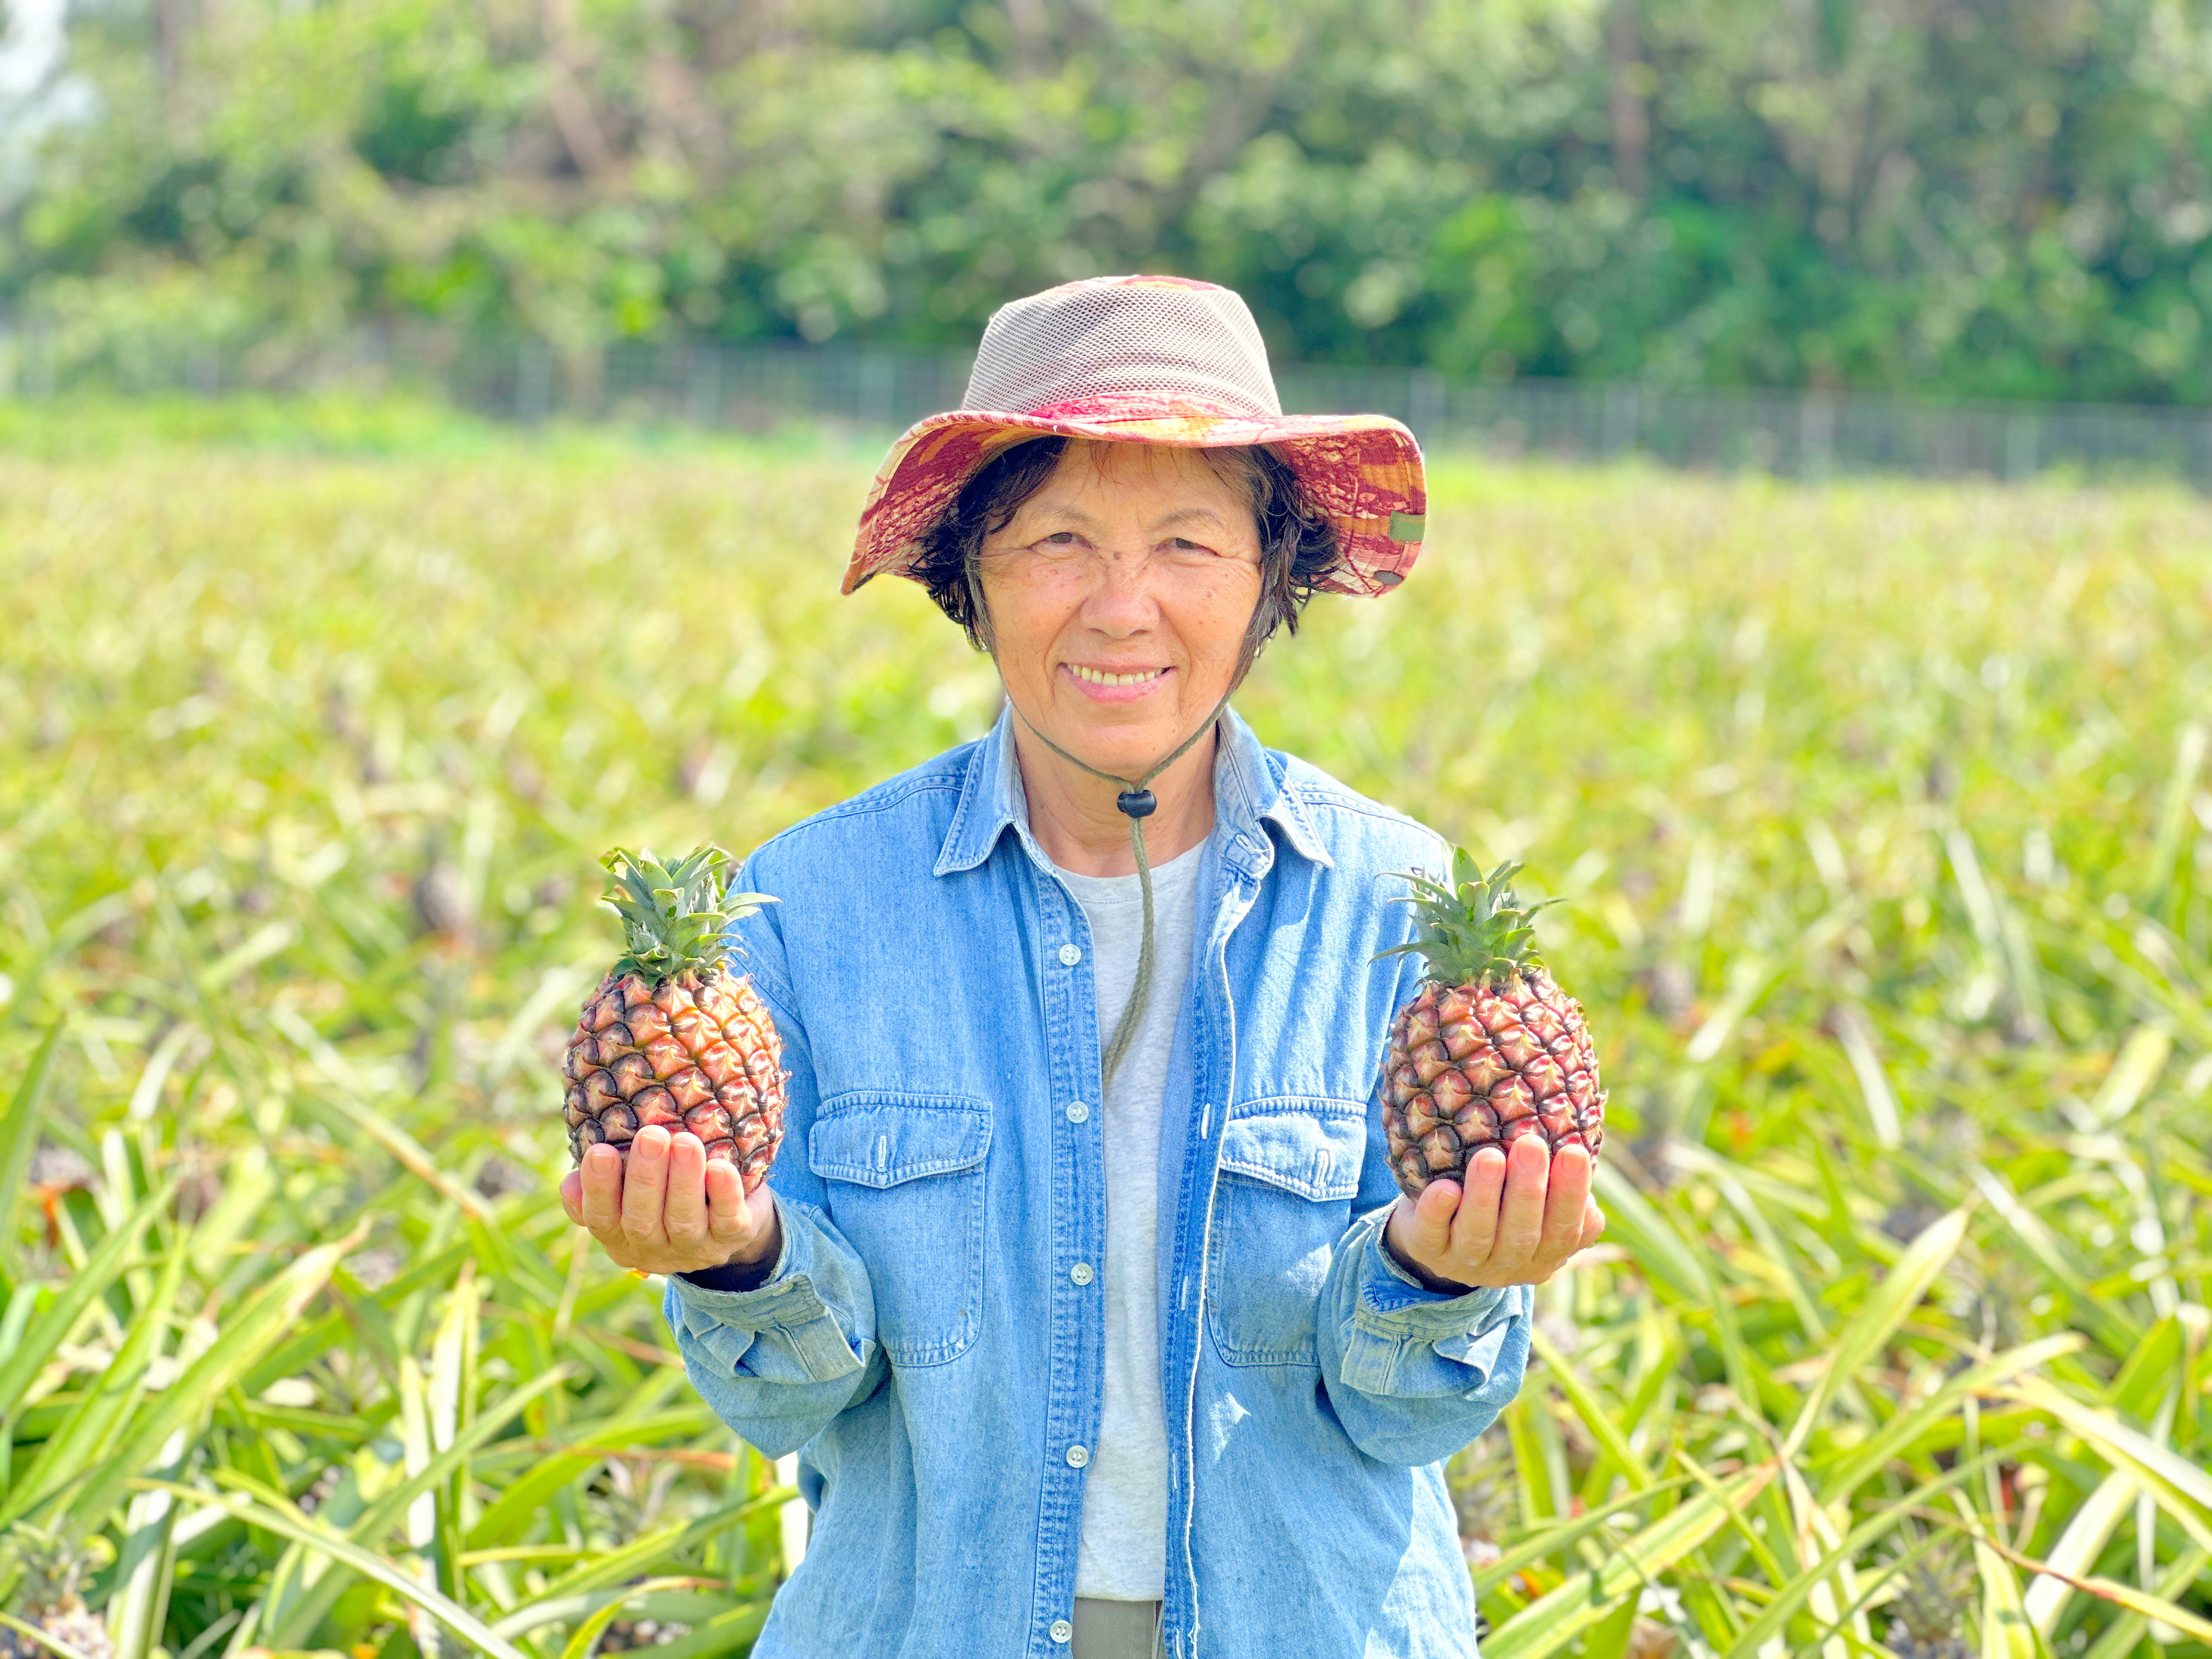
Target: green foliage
{"x":1473,"y":930}
{"x":2009,"y":199}
{"x":1883,"y":816}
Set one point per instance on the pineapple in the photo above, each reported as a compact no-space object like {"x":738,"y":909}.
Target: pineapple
{"x":1928,"y":1610}
{"x":46,"y":1595}
{"x":1491,"y":1049}
{"x":670,"y":1037}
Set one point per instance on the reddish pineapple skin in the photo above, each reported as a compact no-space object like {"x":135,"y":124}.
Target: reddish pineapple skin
{"x":1491,"y":1049}
{"x":696,"y":1053}
{"x":1470,"y":1066}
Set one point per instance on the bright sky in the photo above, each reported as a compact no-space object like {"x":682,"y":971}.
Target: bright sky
{"x":34,"y":96}
{"x":30,"y":50}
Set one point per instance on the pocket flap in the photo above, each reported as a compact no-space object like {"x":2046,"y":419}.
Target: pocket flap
{"x":1304,"y":1145}
{"x":881,"y":1139}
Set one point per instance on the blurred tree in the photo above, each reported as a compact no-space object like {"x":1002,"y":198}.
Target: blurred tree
{"x":2006,"y":197}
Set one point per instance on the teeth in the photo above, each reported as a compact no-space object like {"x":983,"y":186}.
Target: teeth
{"x":1099,"y":677}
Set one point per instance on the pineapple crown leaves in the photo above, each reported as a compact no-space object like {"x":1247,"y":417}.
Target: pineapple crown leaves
{"x":50,"y":1567}
{"x":1930,"y":1602}
{"x":675,"y":916}
{"x":1473,"y":930}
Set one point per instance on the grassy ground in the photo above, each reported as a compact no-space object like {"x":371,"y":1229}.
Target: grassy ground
{"x":1884,"y":831}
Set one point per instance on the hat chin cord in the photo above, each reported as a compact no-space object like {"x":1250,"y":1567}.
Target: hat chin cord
{"x":1137,"y":802}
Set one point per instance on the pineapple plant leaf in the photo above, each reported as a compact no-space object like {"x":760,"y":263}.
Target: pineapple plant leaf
{"x":670,"y":1037}
{"x":1491,"y":1049}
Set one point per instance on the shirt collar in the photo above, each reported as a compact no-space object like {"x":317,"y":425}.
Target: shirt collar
{"x":1246,"y":794}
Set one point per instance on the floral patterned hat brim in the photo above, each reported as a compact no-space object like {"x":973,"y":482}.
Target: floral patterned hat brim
{"x":1361,"y":472}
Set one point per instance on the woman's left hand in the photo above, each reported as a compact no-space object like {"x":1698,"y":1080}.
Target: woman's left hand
{"x":1522,"y":1215}
{"x":666,"y":1209}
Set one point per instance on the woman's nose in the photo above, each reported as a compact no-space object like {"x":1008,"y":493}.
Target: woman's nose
{"x":1121,"y":598}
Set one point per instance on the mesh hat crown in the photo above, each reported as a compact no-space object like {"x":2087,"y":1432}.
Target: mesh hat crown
{"x":1128,"y":336}
{"x":1159,"y":360}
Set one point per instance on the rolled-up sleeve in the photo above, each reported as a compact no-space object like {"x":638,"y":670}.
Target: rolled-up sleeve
{"x":779,"y":1362}
{"x":1414,"y":1374}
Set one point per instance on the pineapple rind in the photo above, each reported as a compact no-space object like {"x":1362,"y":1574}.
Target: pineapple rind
{"x":670,"y":1037}
{"x":712,"y":1065}
{"x":1491,"y":1049}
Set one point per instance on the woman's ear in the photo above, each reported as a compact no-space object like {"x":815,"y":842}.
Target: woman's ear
{"x":979,"y":607}
{"x":1267,"y":617}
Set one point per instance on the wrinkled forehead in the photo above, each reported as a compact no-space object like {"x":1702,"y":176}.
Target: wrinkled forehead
{"x":1096,"y":478}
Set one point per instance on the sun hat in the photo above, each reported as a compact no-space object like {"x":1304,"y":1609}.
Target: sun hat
{"x":1159,"y":360}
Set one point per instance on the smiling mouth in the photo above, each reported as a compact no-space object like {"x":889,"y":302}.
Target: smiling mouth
{"x":1102,"y":676}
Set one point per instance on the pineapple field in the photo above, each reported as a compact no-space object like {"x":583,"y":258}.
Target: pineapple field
{"x":1881,"y":818}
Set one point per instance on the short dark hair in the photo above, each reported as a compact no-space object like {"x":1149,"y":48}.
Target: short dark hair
{"x":1297,"y":546}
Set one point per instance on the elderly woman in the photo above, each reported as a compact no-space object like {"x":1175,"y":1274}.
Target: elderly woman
{"x":1081,"y":1284}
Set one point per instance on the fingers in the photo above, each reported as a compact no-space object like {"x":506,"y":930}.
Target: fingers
{"x":686,"y":1215}
{"x":1432,"y":1219}
{"x":1521,"y":1218}
{"x":1419,"y":1230}
{"x":1524,"y":1213}
{"x":1475,"y":1229}
{"x":728,"y":1225}
{"x":601,"y":1180}
{"x":1566,"y":1199}
{"x":572,"y":1197}
{"x":1593,"y":1224}
{"x":645,"y":1184}
{"x":662,"y":1208}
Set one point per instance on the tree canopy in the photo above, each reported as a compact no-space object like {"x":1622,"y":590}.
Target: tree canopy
{"x":1980,"y":198}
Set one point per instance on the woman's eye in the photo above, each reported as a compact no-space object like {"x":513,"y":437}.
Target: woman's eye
{"x":1057,"y":538}
{"x":1184,"y":544}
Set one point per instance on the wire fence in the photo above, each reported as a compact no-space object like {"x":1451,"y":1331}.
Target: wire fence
{"x":765,"y":386}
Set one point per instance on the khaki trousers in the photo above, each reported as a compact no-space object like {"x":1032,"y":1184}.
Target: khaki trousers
{"x":1116,"y":1630}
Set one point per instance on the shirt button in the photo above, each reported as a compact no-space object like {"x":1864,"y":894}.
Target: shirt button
{"x":1070,"y":954}
{"x":1061,"y":1630}
{"x":1077,"y":1111}
{"x":1081,"y":1273}
{"x":1078,"y":1456}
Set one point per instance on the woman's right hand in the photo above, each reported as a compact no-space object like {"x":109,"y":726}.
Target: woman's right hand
{"x":671,"y":1210}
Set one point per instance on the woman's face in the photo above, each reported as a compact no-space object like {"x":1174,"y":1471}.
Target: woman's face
{"x":1118,"y":596}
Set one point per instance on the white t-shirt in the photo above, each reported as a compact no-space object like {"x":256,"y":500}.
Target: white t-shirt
{"x":1122,"y":1555}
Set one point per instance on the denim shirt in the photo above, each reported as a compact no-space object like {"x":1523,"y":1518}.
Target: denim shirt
{"x":930,"y":1338}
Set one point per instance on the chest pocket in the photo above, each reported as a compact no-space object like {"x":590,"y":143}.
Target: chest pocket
{"x":903,"y":1180}
{"x":1290,"y":1167}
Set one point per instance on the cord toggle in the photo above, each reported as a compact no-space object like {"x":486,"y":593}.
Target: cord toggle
{"x":1137,"y":803}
